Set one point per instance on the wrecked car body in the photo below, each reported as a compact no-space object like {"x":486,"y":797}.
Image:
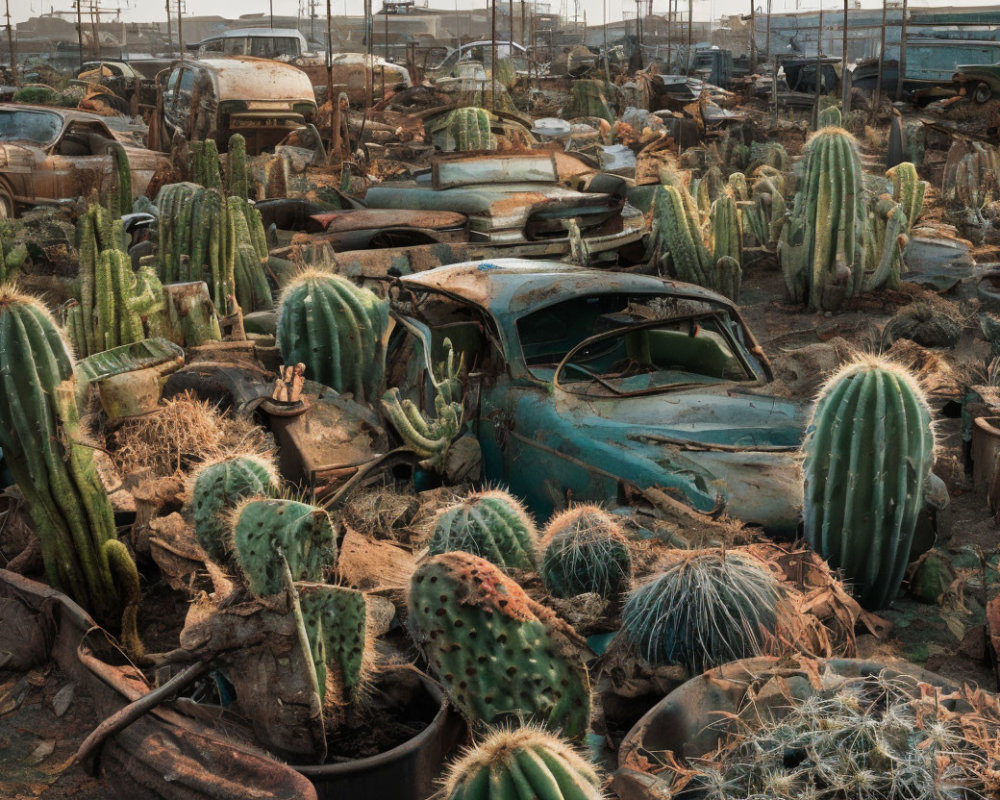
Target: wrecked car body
{"x":51,"y":156}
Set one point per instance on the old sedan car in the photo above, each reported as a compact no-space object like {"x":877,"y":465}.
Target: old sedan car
{"x":979,"y":81}
{"x":55,"y":155}
{"x":588,"y":386}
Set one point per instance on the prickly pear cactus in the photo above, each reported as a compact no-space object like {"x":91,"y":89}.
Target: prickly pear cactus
{"x":336,"y":622}
{"x":490,"y":524}
{"x":908,"y":190}
{"x":217,"y":487}
{"x":584,"y":550}
{"x":519,"y":764}
{"x":469,"y":129}
{"x":337,"y":330}
{"x":868,"y":453}
{"x":498,"y":653}
{"x":822,"y":247}
{"x":267,"y":534}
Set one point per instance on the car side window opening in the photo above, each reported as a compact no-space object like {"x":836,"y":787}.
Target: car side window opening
{"x":214,"y":46}
{"x":81,"y":139}
{"x":235,"y":46}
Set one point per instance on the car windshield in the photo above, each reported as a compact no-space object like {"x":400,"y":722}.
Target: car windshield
{"x":28,"y":125}
{"x":633,"y":344}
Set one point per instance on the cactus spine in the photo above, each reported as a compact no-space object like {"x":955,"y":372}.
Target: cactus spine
{"x":497,"y":652}
{"x":522,"y":764}
{"x":492,"y":525}
{"x":41,"y":437}
{"x":584,"y":550}
{"x":217,"y":487}
{"x":337,"y":330}
{"x":868,"y":454}
{"x":469,"y":129}
{"x":908,"y":190}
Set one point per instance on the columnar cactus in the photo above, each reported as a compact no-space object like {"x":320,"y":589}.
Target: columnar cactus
{"x":710,"y":189}
{"x":885,"y":240}
{"x":970,"y":178}
{"x":739,"y":189}
{"x":677,"y":232}
{"x":829,"y":118}
{"x":520,"y":764}
{"x":727,"y":234}
{"x":122,"y":195}
{"x":469,"y":129}
{"x":707,"y":608}
{"x":490,"y":524}
{"x":822,"y":247}
{"x":205,"y":168}
{"x":908,"y":190}
{"x":237,"y":174}
{"x":267,"y":534}
{"x":868,"y":454}
{"x":42,"y":442}
{"x":498,"y":653}
{"x":217,"y":487}
{"x":337,"y":330}
{"x":584,"y":550}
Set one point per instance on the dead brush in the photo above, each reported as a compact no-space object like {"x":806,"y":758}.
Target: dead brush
{"x":872,"y":738}
{"x":381,"y":512}
{"x":183,"y":432}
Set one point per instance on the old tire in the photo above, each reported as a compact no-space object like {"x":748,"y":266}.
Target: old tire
{"x":981,"y":93}
{"x":8,"y":210}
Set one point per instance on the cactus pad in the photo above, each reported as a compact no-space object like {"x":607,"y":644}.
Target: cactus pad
{"x":335,"y":619}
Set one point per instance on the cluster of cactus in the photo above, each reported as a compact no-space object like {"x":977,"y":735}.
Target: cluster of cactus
{"x":706,"y":608}
{"x":337,"y":330}
{"x":204,"y":236}
{"x":431,"y":438}
{"x":491,"y":524}
{"x":590,"y":99}
{"x":43,"y":446}
{"x":970,"y":178}
{"x":584,"y":550}
{"x":115,"y":306}
{"x":868,"y":455}
{"x":469,"y":129}
{"x":499,"y":654}
{"x":237,"y":170}
{"x":526,"y":763}
{"x":763,"y":212}
{"x":217,"y":487}
{"x":836,"y":244}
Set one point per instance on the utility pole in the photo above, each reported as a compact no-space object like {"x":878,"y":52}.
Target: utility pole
{"x":690,"y":51}
{"x":79,"y":29}
{"x":881,"y":65}
{"x":10,"y":48}
{"x":493,"y":70}
{"x":767,"y":35}
{"x":845,"y":86}
{"x":753,"y":37}
{"x":170,"y":27}
{"x":670,"y":29}
{"x":819,"y":57}
{"x":902,"y":53}
{"x":271,"y":7}
{"x":180,"y":28}
{"x":93,"y":27}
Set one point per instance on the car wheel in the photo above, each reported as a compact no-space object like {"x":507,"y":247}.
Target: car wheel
{"x":7,"y":208}
{"x":981,"y":93}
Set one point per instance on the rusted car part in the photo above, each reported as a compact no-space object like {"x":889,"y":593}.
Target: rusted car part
{"x":585,"y":385}
{"x":370,"y":229}
{"x":686,"y":723}
{"x":130,"y":378}
{"x":215,"y":98}
{"x":164,"y":754}
{"x":353,"y":73}
{"x":512,"y":200}
{"x":52,"y":156}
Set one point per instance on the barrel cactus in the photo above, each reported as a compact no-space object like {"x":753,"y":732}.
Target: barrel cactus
{"x":520,"y":764}
{"x":122,"y":196}
{"x":708,"y":607}
{"x":829,"y":118}
{"x":469,"y":129}
{"x":584,"y":550}
{"x":498,"y":653}
{"x":337,"y":330}
{"x":217,"y":487}
{"x":490,"y":524}
{"x":868,"y":455}
{"x":43,"y":446}
{"x":908,"y":190}
{"x":269,"y":534}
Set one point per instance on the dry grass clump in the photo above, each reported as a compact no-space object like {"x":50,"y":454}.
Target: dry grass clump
{"x":381,"y":512}
{"x":182,"y":433}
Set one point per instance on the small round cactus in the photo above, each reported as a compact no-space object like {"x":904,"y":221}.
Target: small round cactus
{"x":584,"y":550}
{"x":519,"y":764}
{"x":490,"y":524}
{"x":707,"y":608}
{"x":217,"y":487}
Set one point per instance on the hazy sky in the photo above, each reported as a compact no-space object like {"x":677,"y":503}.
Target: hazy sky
{"x":143,"y":10}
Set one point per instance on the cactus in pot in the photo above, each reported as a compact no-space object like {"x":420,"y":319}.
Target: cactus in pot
{"x":498,"y":653}
{"x":868,"y":455}
{"x":524,"y":763}
{"x":43,"y":445}
{"x":585,"y":550}
{"x":491,"y":524}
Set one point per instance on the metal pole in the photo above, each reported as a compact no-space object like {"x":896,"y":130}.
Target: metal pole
{"x":79,"y":28}
{"x":493,"y":68}
{"x":180,"y":28}
{"x":767,"y":35}
{"x":170,"y":28}
{"x":902,"y":53}
{"x":335,"y":144}
{"x":271,"y":7}
{"x":690,"y":50}
{"x":385,"y":47}
{"x":881,"y":64}
{"x":511,"y":9}
{"x":819,"y":57}
{"x":10,"y":48}
{"x":845,"y":91}
{"x":670,"y":29}
{"x":753,"y":37}
{"x":607,"y":66}
{"x":93,"y":28}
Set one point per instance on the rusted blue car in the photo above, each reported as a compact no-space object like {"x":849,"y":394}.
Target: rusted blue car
{"x":588,"y":385}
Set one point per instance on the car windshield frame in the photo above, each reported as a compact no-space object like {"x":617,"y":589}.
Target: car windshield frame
{"x":60,"y":124}
{"x":739,"y":351}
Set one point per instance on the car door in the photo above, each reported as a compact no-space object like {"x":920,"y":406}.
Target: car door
{"x":78,"y":163}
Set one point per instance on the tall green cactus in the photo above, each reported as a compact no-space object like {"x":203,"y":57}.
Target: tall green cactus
{"x":584,"y":550}
{"x":205,"y":168}
{"x":678,"y":234}
{"x":727,"y":233}
{"x":822,"y":247}
{"x":337,"y":330}
{"x":829,"y":118}
{"x":739,"y":189}
{"x":522,"y":764}
{"x":122,"y":195}
{"x":237,"y":173}
{"x":498,"y":653}
{"x":469,"y":129}
{"x":491,"y":524}
{"x":217,"y":487}
{"x":868,"y":454}
{"x":43,"y":445}
{"x":710,"y":188}
{"x":908,"y":190}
